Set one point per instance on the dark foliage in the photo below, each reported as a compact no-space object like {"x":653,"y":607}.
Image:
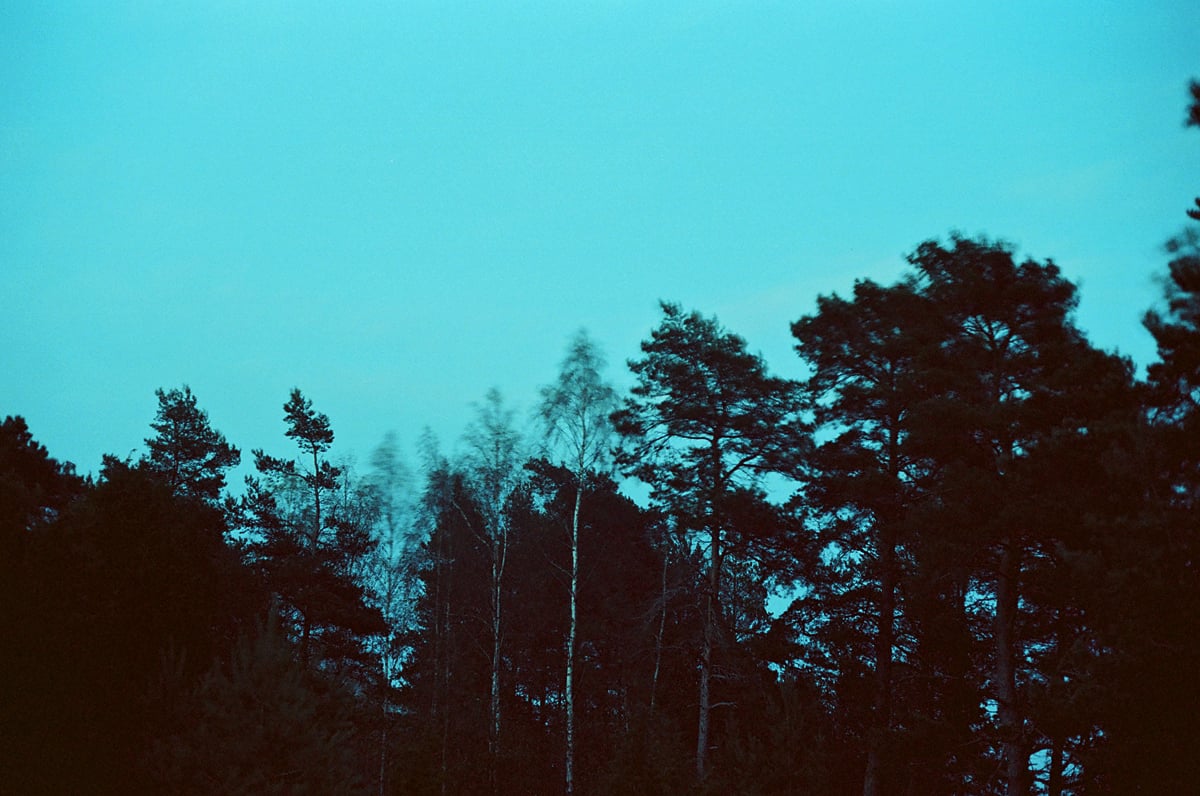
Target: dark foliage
{"x":126,"y":578}
{"x":187,"y":452}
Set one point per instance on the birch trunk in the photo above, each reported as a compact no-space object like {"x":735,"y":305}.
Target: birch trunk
{"x":710,"y":609}
{"x":571,"y":631}
{"x":662,"y":626}
{"x":494,"y":725}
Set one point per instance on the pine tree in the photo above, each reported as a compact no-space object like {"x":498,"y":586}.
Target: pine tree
{"x":865,"y":356}
{"x":704,"y":422}
{"x":309,"y":553}
{"x":1010,"y":376}
{"x":187,"y":451}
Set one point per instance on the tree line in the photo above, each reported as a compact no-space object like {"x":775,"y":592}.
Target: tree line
{"x":959,"y":556}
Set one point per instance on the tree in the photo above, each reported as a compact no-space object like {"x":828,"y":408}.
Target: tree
{"x":449,"y":672}
{"x":705,"y":421}
{"x":1011,"y":378}
{"x":492,"y":472}
{"x":957,"y":409}
{"x":311,"y":555}
{"x":187,"y":451}
{"x":575,"y":412}
{"x":1175,"y":377}
{"x":313,"y":435}
{"x":390,"y":573}
{"x":865,"y":354}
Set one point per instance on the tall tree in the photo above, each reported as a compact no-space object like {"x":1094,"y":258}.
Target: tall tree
{"x":705,"y":420}
{"x":390,"y":573}
{"x":310,"y":554}
{"x":187,"y":451}
{"x":313,"y":434}
{"x":1175,"y":377}
{"x":618,"y":584}
{"x":493,"y":472}
{"x":954,"y":407}
{"x":575,"y":412}
{"x":448,"y":674}
{"x":864,"y":354}
{"x":1012,"y":374}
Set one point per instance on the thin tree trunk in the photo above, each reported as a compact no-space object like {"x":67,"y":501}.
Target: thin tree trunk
{"x":304,"y":641}
{"x":570,"y":761}
{"x":884,"y":642}
{"x":871,"y":775}
{"x":494,"y":728}
{"x":885,"y":639}
{"x":316,"y":538}
{"x":313,"y":541}
{"x":711,"y":606}
{"x":441,"y":646}
{"x":710,"y":609}
{"x":444,"y":687}
{"x":1009,"y":713}
{"x":1055,"y":784}
{"x":705,"y":671}
{"x":1058,"y":741}
{"x":383,"y":753}
{"x":662,"y":626}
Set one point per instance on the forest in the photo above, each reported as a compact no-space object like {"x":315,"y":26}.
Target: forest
{"x":959,"y":557}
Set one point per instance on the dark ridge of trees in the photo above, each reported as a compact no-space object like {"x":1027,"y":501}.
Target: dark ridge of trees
{"x":976,"y":532}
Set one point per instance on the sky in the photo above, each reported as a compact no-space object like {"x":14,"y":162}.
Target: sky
{"x":397,"y":206}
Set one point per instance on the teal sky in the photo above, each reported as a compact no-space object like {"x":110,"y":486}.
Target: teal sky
{"x":395,"y":206}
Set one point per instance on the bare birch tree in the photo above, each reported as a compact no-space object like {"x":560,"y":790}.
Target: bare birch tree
{"x":575,"y":414}
{"x":493,"y":473}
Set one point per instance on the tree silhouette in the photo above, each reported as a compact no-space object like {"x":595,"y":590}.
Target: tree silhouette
{"x":492,"y":471}
{"x":187,"y":451}
{"x":308,"y":553}
{"x":704,"y":421}
{"x":865,"y":354}
{"x":575,"y":411}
